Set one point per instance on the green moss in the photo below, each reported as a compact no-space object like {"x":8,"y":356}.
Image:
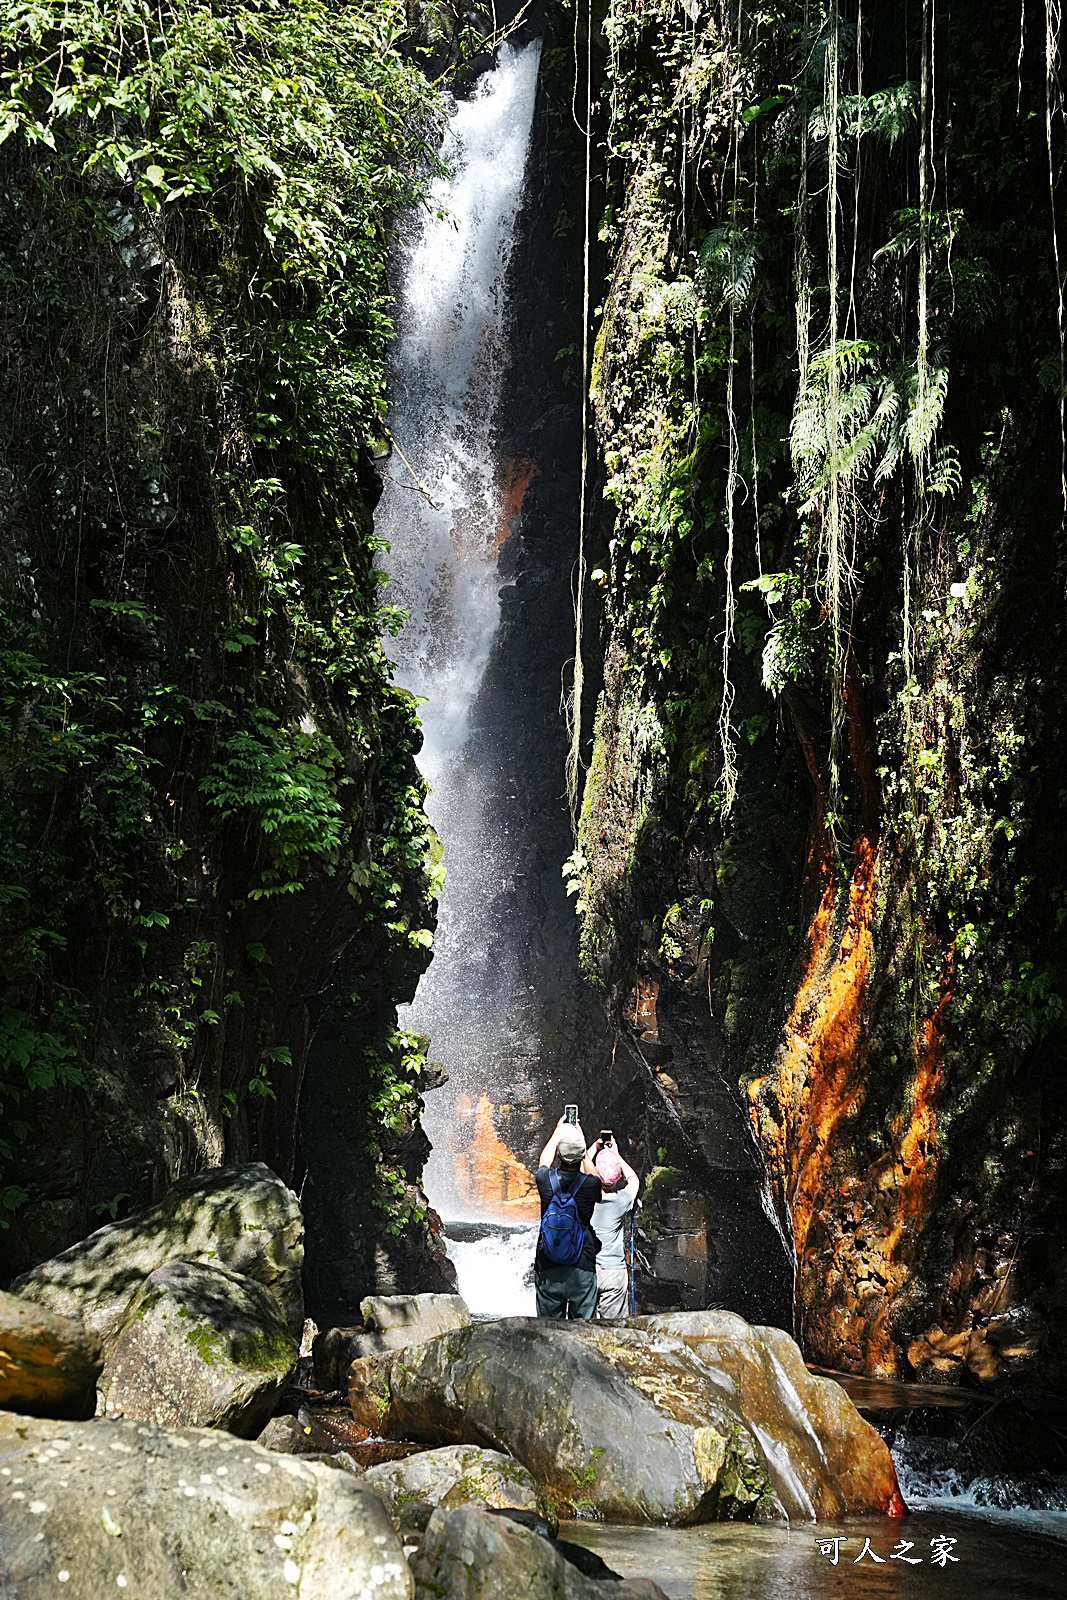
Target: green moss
{"x":207,"y":1342}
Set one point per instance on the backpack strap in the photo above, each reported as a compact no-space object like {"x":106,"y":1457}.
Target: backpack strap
{"x":553,"y":1178}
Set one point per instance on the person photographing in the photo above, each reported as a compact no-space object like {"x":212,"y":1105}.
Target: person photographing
{"x":619,"y":1184}
{"x":565,"y":1279}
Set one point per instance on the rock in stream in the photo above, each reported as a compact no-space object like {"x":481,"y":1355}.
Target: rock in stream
{"x":243,"y":1218}
{"x":48,"y":1364}
{"x":469,"y":1555}
{"x":677,"y":1419}
{"x":199,"y":1347}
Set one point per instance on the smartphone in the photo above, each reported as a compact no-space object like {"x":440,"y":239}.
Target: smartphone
{"x":606,"y":1135}
{"x":571,"y":1114}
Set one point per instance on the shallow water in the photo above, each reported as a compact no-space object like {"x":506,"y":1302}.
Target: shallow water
{"x":734,"y":1561}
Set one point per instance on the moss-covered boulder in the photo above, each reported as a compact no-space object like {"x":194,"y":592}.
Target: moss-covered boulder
{"x":637,"y":1423}
{"x":455,"y":1475}
{"x":48,"y":1364}
{"x":244,"y":1218}
{"x":200,"y":1347}
{"x":104,"y":1507}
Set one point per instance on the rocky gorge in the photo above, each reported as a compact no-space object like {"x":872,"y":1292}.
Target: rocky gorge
{"x":533,"y":571}
{"x":179,"y":1337}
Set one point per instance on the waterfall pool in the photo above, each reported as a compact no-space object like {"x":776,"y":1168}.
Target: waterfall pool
{"x":987,"y":1560}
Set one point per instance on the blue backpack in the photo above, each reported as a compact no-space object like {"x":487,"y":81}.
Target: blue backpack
{"x":562,"y":1236}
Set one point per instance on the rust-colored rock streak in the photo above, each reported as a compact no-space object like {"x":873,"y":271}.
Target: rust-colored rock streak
{"x":855,"y":1221}
{"x":819,"y":1070}
{"x":516,"y":477}
{"x":490,"y":1178}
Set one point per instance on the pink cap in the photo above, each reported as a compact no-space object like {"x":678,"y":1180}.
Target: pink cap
{"x":609,"y":1167}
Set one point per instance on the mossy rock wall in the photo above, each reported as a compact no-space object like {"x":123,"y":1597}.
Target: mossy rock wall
{"x":846,"y":942}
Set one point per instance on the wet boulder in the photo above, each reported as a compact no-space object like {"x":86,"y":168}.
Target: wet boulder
{"x":291,"y":1436}
{"x":199,"y":1347}
{"x":455,"y":1475}
{"x":243,"y":1218}
{"x":633,"y":1423}
{"x":467,"y":1554}
{"x":389,"y":1323}
{"x":106,"y":1506}
{"x":835,"y":1458}
{"x":49,"y":1364}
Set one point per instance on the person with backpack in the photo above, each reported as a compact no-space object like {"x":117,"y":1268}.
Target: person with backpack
{"x":565,"y":1264}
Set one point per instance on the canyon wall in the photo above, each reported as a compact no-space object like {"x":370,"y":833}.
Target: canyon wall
{"x":218,"y":878}
{"x":821,"y":849}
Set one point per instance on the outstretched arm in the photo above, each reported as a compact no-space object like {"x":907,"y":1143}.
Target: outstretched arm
{"x":548,"y":1154}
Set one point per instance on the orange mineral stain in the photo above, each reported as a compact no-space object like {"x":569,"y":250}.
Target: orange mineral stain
{"x":820,"y":1065}
{"x":516,"y":478}
{"x":489,"y":1177}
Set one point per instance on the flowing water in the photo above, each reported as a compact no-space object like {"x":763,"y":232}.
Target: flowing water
{"x":733,"y":1561}
{"x":494,"y":1265}
{"x":448,"y":507}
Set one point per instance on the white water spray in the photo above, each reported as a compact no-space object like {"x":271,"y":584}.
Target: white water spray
{"x":445,"y":530}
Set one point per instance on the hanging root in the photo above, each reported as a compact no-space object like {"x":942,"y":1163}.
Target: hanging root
{"x":573,"y":765}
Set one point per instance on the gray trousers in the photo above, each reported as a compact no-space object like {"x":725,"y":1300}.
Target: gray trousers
{"x":563,"y":1289}
{"x":613,"y":1284}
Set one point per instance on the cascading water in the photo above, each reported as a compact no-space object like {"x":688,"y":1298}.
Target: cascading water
{"x":445,"y":513}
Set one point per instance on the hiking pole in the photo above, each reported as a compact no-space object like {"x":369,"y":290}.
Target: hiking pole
{"x":633,"y":1266}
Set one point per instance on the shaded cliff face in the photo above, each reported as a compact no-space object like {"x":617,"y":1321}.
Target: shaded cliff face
{"x":823,"y":891}
{"x":218,"y":876}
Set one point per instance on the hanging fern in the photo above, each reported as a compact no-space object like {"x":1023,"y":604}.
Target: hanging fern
{"x":728,"y":260}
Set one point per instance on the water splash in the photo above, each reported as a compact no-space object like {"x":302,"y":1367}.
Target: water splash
{"x":445,"y":519}
{"x":494,"y":1266}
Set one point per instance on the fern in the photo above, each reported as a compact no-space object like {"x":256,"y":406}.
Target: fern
{"x":887,"y":114}
{"x":728,"y":260}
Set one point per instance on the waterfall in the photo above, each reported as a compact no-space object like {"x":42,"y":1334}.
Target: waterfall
{"x":450,"y":501}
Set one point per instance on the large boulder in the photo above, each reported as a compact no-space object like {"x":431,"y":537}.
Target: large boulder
{"x":390,"y":1323}
{"x":105,"y":1506}
{"x":797,"y":1417}
{"x":466,"y":1554}
{"x":455,"y":1475}
{"x":199,"y":1347}
{"x":48,"y":1364}
{"x":635,"y":1423}
{"x":243,"y":1218}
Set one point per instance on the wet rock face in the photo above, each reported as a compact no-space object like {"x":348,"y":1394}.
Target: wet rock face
{"x":103,"y":1506}
{"x":48,"y":1364}
{"x":455,"y":1475}
{"x":807,"y":1420}
{"x":200,"y":1347}
{"x":678,"y":1419}
{"x":468,"y":1555}
{"x":243,"y":1218}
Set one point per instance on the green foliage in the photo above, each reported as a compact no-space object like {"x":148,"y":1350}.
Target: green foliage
{"x":285,"y":130}
{"x":292,"y":798}
{"x":393,"y":1073}
{"x":195,"y":230}
{"x":888,"y":115}
{"x":728,"y":261}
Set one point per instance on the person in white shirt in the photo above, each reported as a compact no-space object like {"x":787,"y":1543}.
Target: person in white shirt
{"x":620,"y":1184}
